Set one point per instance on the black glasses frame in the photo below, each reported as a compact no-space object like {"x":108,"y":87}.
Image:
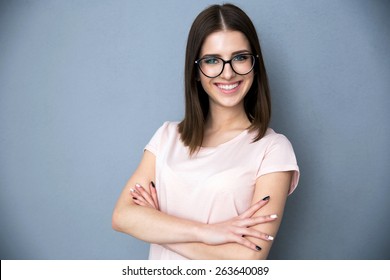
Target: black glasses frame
{"x":254,"y":57}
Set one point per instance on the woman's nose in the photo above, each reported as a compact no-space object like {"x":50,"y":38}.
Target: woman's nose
{"x":227,"y":72}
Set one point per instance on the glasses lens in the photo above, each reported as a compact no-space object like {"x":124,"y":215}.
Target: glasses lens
{"x":212,"y":67}
{"x":243,"y":63}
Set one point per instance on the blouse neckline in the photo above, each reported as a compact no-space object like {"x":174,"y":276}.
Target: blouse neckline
{"x":231,"y":141}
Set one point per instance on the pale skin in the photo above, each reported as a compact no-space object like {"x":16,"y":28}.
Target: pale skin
{"x":247,"y":236}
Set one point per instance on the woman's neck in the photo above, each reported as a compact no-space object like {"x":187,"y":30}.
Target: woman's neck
{"x":222,"y":119}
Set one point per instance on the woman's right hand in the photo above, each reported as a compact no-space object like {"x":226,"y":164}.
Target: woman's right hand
{"x":236,"y":229}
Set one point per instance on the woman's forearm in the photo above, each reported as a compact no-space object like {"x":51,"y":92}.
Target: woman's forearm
{"x":153,"y":226}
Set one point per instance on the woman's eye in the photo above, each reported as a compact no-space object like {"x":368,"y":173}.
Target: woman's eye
{"x":211,"y":60}
{"x":240,"y":57}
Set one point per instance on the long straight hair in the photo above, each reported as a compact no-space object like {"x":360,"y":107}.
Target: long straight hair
{"x":257,"y":102}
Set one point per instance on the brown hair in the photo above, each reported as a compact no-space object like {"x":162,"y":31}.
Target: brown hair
{"x":257,"y":102}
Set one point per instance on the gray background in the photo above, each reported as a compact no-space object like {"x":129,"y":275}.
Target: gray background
{"x":84,"y":85}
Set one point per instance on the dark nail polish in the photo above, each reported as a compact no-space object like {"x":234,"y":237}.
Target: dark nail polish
{"x":266,"y":198}
{"x":258,"y":248}
{"x":134,"y":198}
{"x":153,"y":184}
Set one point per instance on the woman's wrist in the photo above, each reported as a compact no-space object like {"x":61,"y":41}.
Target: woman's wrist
{"x":199,"y":232}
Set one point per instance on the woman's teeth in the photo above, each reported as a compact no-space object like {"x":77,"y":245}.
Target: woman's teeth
{"x":228,"y":87}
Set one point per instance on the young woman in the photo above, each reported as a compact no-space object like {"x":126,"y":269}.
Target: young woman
{"x":214,"y":186}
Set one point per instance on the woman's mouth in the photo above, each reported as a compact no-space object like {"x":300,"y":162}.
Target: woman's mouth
{"x":228,"y":88}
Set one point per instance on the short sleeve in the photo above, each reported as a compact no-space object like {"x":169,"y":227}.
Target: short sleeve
{"x":155,"y":142}
{"x":280,"y":156}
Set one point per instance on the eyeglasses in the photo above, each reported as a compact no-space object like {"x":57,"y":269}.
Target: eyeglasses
{"x":212,"y":66}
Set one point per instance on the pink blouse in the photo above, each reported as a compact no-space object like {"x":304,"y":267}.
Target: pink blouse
{"x":217,"y":183}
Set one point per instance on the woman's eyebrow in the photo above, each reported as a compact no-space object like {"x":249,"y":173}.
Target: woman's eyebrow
{"x":241,"y":51}
{"x":233,"y":53}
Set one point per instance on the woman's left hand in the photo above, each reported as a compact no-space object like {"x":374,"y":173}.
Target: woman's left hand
{"x":143,"y":198}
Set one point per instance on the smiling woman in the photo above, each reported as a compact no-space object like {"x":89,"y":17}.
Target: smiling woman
{"x":214,"y":185}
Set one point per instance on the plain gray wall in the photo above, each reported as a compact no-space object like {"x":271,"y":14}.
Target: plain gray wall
{"x":84,"y":85}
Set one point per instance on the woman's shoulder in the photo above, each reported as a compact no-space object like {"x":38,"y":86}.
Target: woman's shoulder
{"x":169,"y":127}
{"x":271,"y":138}
{"x":166,"y":133}
{"x":275,"y":136}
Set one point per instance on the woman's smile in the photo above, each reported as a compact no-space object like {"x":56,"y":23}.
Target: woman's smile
{"x":229,"y":88}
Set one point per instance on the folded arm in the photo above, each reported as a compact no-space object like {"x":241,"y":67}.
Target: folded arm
{"x":153,"y":226}
{"x":238,"y":238}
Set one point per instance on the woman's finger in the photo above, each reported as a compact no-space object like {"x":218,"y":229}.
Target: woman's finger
{"x":250,"y":232}
{"x":247,"y":243}
{"x":144,"y":194}
{"x":254,"y":208}
{"x":142,"y":203}
{"x":253,"y":221}
{"x":153,"y":193}
{"x":137,"y":196}
{"x":139,"y":199}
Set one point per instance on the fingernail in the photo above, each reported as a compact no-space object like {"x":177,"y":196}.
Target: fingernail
{"x":131,"y":190}
{"x":134,"y":198}
{"x":273,"y":216}
{"x":153,"y":184}
{"x":258,"y":248}
{"x":138,"y":185}
{"x":266,"y":198}
{"x":269,"y":237}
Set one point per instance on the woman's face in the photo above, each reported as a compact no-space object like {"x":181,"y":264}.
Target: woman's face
{"x":229,"y":88}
